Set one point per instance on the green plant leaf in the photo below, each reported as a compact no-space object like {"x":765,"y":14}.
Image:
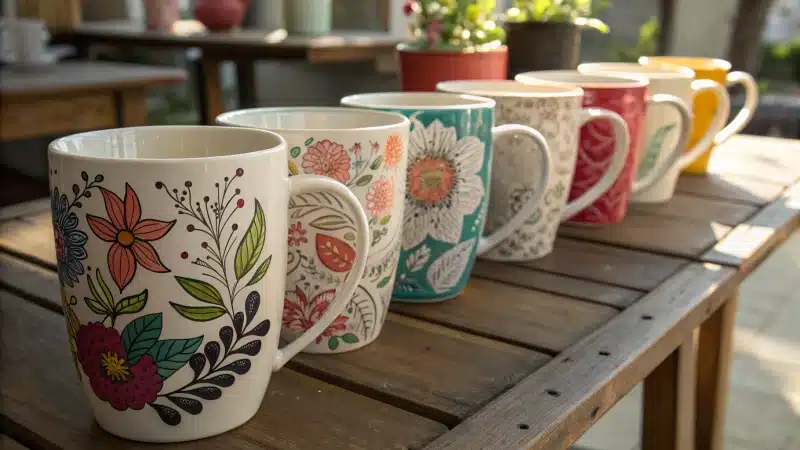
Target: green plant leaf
{"x":333,"y":343}
{"x":200,"y":290}
{"x":384,"y":282}
{"x":172,"y":354}
{"x":363,"y":181}
{"x":385,"y":220}
{"x":132,"y":304}
{"x":377,"y":163}
{"x":309,"y":141}
{"x":106,"y":290}
{"x":349,"y":236}
{"x":139,"y":335}
{"x":350,"y":338}
{"x":330,"y":222}
{"x":260,"y":272}
{"x":653,"y":150}
{"x":107,"y":307}
{"x":199,"y":313}
{"x":251,"y":245}
{"x":96,"y":306}
{"x":295,"y":152}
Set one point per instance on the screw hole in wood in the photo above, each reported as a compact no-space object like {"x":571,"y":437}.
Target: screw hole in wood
{"x":647,"y":317}
{"x":595,"y":411}
{"x":553,"y":393}
{"x":566,"y":360}
{"x":603,"y":353}
{"x":523,"y":426}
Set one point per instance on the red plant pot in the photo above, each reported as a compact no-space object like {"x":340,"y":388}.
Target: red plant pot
{"x":420,"y":70}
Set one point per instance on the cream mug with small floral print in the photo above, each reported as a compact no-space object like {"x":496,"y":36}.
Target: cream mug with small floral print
{"x":171,"y":244}
{"x":366,"y":151}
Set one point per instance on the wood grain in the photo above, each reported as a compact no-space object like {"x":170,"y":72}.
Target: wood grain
{"x":535,"y":319}
{"x":734,"y":188}
{"x":660,"y":406}
{"x":32,"y":117}
{"x":520,"y":275}
{"x":764,"y":158}
{"x":25,"y":208}
{"x":6,"y":443}
{"x":749,"y":243}
{"x":699,"y":208}
{"x":45,"y":405}
{"x":608,"y":264}
{"x":555,"y":405}
{"x":214,"y":104}
{"x":687,"y":238}
{"x":133,"y":109}
{"x":427,"y":369}
{"x":30,"y":237}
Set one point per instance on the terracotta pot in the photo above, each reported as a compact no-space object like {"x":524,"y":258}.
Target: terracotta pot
{"x":220,"y":15}
{"x":420,"y":70}
{"x":536,"y":46}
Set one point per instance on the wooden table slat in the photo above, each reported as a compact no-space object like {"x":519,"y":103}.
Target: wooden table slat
{"x":40,"y":392}
{"x":698,"y":208}
{"x":731,"y":188}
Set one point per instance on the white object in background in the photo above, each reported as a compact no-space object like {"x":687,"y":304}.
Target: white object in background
{"x":268,"y":14}
{"x":308,"y":16}
{"x":24,"y":40}
{"x":783,"y":21}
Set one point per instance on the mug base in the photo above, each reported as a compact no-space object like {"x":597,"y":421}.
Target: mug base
{"x":513,"y":259}
{"x":427,"y":300}
{"x":317,"y":350}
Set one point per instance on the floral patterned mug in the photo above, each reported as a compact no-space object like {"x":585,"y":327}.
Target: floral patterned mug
{"x":366,"y":151}
{"x":171,"y":243}
{"x":449,"y":165}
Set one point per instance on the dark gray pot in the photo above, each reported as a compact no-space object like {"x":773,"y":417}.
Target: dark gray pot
{"x":542,"y":46}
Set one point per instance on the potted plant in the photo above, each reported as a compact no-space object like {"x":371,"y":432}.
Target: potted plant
{"x":451,"y":40}
{"x":546,"y":34}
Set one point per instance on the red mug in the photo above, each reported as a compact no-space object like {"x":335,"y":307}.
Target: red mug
{"x":626,"y":96}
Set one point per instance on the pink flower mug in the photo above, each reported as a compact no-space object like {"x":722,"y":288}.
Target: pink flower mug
{"x":171,"y":244}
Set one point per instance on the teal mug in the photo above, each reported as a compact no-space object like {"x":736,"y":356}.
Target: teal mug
{"x":449,"y":169}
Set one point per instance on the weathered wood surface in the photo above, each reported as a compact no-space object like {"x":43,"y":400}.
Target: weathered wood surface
{"x":43,"y":403}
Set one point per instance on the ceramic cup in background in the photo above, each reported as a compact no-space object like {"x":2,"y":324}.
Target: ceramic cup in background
{"x":367,"y":151}
{"x":25,"y":40}
{"x":706,"y":105}
{"x":666,"y":133}
{"x":308,"y":16}
{"x":171,"y":244}
{"x":556,"y":112}
{"x":628,"y":97}
{"x":449,"y":163}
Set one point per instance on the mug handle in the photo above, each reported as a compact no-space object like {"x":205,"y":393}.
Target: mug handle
{"x":750,"y":102}
{"x":661,"y":168}
{"x":486,"y":243}
{"x":622,"y":147}
{"x":717,"y":122}
{"x":302,"y":184}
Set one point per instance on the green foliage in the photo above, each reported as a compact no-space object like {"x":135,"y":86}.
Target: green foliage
{"x":454,"y":25}
{"x":647,"y":45}
{"x":574,"y":11}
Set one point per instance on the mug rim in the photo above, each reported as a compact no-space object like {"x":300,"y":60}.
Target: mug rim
{"x":228,"y":118}
{"x":652,"y":71}
{"x":370,"y":101}
{"x":55,"y":148}
{"x":692,"y":62}
{"x":525,"y":90}
{"x":609,"y":81}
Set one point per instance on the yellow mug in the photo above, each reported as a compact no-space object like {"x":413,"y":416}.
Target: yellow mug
{"x":705,"y":103}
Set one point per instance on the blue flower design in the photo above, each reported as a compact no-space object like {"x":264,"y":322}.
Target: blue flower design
{"x":70,"y":241}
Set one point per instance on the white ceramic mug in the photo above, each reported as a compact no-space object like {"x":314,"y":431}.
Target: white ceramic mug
{"x":556,"y":112}
{"x":171,"y":244}
{"x":366,"y":151}
{"x":25,"y":40}
{"x":665,"y":141}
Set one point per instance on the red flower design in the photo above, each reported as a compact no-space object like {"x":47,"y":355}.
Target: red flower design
{"x":297,"y":235}
{"x":130,"y":236}
{"x":299,"y":314}
{"x":329,"y":159}
{"x":113,"y":380}
{"x":380,"y":198}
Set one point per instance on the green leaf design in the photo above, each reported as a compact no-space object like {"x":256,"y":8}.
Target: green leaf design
{"x":295,"y":152}
{"x":260,"y":272}
{"x":333,"y":343}
{"x":106,"y":290}
{"x":384,"y":282}
{"x":107,"y":306}
{"x":330,"y":222}
{"x":139,"y":335}
{"x":309,"y":141}
{"x":200,"y":290}
{"x":199,"y":313}
{"x":132,"y":304}
{"x":653,"y":150}
{"x":96,"y":306}
{"x":363,"y":181}
{"x":377,"y":163}
{"x":350,"y":338}
{"x":350,"y":236}
{"x":385,"y":220}
{"x":172,"y":354}
{"x":251,"y":245}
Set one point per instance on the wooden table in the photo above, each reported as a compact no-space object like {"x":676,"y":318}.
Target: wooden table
{"x":76,"y":96}
{"x":529,"y":356}
{"x":243,"y":47}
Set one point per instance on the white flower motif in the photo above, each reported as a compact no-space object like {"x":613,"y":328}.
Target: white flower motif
{"x":443,"y":183}
{"x":417,"y":259}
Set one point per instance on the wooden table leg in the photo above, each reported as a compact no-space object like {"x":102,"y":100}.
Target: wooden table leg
{"x":246,"y":83}
{"x":715,"y":350}
{"x":211,"y":89}
{"x":132,"y":108}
